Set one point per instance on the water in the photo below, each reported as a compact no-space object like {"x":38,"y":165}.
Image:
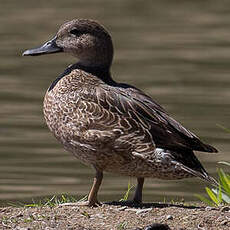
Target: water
{"x":176,"y":51}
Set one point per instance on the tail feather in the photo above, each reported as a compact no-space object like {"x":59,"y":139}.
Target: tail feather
{"x":210,"y":149}
{"x":201,"y":174}
{"x":198,"y":145}
{"x":190,"y":163}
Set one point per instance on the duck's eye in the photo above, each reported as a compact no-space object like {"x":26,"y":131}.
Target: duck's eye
{"x":76,"y":32}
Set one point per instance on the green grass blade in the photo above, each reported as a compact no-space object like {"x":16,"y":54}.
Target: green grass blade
{"x":226,"y":198}
{"x":225,"y":181}
{"x":224,"y":163}
{"x":220,"y":193}
{"x":126,"y":196}
{"x":64,"y":198}
{"x":212,"y":196}
{"x":50,"y":202}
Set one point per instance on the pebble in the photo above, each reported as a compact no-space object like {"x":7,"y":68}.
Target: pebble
{"x":208,"y":208}
{"x":19,"y":228}
{"x":132,"y":209}
{"x":19,"y":214}
{"x":140,"y":211}
{"x":169,"y":217}
{"x":3,"y":209}
{"x":98,"y":215}
{"x":200,"y":226}
{"x":225,"y":209}
{"x":224,"y":222}
{"x":121,"y":208}
{"x":68,"y":204}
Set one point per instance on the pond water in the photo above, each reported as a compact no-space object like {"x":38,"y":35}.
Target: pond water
{"x":176,"y":51}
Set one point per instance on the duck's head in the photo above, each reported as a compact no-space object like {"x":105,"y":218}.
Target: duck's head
{"x":83,"y":38}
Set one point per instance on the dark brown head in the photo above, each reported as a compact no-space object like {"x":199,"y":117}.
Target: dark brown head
{"x":83,"y":38}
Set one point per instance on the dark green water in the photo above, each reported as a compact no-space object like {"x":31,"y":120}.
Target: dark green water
{"x":176,"y":51}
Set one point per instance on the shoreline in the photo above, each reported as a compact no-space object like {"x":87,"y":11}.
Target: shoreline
{"x":116,"y":216}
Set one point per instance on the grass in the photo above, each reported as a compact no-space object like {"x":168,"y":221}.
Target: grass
{"x":122,"y":225}
{"x":50,"y":202}
{"x":61,"y":199}
{"x":65,"y":198}
{"x":127,"y":193}
{"x":218,"y":195}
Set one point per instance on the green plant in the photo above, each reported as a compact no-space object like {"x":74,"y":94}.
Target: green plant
{"x":126,"y":195}
{"x":86,"y":214}
{"x":53,"y":201}
{"x":84,"y":198}
{"x":221,"y":194}
{"x":122,"y":225}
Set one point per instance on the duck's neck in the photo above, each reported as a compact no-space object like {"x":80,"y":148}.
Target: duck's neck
{"x":102,"y":72}
{"x":99,"y":71}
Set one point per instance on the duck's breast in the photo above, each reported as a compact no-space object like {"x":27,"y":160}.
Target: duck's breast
{"x":63,"y":105}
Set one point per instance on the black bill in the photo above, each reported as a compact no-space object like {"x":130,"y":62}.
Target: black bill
{"x":48,"y":48}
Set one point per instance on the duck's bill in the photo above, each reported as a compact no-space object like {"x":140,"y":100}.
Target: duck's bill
{"x":48,"y":48}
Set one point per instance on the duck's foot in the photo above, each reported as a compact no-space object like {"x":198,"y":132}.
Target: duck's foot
{"x":89,"y":203}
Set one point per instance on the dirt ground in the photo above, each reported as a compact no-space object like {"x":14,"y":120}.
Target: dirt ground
{"x":116,"y":216}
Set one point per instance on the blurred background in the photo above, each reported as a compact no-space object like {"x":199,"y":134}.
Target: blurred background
{"x":176,"y":51}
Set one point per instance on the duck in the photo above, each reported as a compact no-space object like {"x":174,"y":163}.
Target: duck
{"x":113,"y":127}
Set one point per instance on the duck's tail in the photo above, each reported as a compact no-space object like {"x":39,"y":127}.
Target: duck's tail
{"x":201,"y":174}
{"x":189,"y":163}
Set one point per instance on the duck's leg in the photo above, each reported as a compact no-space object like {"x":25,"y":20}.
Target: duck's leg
{"x":138,"y":193}
{"x":92,"y":197}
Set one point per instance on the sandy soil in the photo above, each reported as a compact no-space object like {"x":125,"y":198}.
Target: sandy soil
{"x":116,"y":216}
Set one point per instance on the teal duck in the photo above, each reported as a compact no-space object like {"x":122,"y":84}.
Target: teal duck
{"x":112,"y":126}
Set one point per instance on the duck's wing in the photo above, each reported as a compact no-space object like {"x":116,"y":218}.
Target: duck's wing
{"x":166,"y":132}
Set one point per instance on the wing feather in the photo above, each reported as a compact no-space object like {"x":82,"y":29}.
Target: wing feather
{"x":166,"y":132}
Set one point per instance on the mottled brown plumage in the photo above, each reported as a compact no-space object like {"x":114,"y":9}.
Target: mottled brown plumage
{"x":113,"y":126}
